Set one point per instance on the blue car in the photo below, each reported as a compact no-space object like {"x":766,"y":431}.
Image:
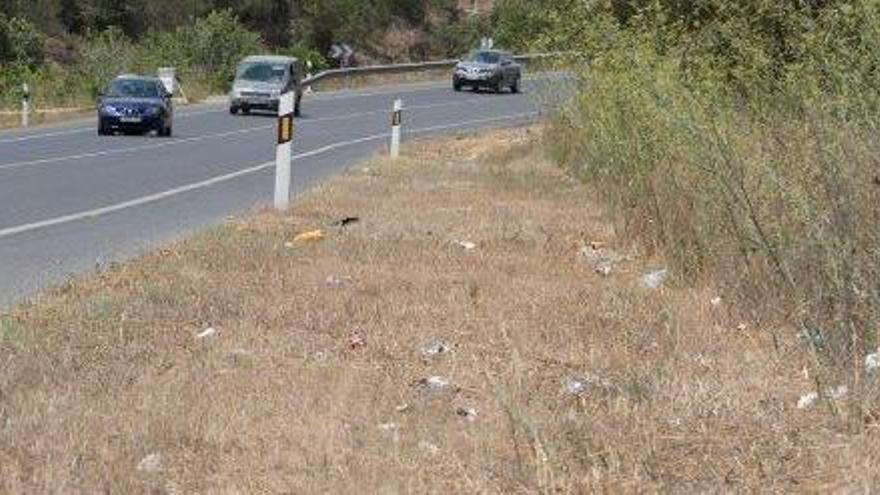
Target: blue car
{"x":135,"y":104}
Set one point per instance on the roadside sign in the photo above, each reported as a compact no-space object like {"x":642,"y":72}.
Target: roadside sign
{"x":169,"y":78}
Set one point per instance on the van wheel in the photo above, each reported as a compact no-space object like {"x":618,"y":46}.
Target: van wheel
{"x":233,"y":110}
{"x":296,"y":108}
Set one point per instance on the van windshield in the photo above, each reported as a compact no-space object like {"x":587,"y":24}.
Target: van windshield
{"x":261,"y":72}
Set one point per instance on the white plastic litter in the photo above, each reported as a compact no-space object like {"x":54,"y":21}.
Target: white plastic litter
{"x":467,"y":245}
{"x":807,"y":400}
{"x":575,"y":387}
{"x":872,"y":362}
{"x":428,"y":447}
{"x":150,"y":463}
{"x":437,"y":382}
{"x":435,"y":350}
{"x":467,"y":413}
{"x":208,"y":332}
{"x":656,"y":279}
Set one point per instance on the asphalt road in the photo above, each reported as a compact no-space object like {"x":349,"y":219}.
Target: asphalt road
{"x":71,"y":201}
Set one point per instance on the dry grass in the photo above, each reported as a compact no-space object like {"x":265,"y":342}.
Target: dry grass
{"x":311,"y":383}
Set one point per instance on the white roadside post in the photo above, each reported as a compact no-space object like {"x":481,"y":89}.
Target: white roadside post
{"x":25,"y":104}
{"x":168,"y":77}
{"x":284,"y":151}
{"x":396,"y":121}
{"x":308,"y":75}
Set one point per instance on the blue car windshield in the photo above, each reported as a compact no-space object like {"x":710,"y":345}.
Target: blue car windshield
{"x":261,"y":72}
{"x":484,"y":57}
{"x":133,"y":88}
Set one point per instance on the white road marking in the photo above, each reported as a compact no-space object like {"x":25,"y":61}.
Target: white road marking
{"x":82,"y":130}
{"x":119,"y":151}
{"x":174,"y":142}
{"x":152,"y":198}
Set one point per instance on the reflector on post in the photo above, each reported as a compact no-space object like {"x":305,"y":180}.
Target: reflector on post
{"x":283,"y":151}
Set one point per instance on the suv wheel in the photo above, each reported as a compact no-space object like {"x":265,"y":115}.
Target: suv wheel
{"x":233,"y":110}
{"x":515,"y":86}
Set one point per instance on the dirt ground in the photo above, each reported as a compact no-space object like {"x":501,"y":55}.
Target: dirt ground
{"x":479,"y":328}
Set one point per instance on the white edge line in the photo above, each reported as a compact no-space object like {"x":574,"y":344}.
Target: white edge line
{"x":152,"y":198}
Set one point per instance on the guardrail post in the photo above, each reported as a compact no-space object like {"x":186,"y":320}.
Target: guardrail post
{"x":396,"y":121}
{"x":25,"y":104}
{"x":283,"y":151}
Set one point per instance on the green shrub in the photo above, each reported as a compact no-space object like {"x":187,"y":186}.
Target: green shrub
{"x":752,"y":166}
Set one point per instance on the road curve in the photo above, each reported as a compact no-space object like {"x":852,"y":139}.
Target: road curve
{"x":71,"y":200}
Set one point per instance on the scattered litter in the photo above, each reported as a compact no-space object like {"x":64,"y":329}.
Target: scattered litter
{"x":575,"y":387}
{"x":402,"y":408}
{"x":467,"y":245}
{"x":716,"y":301}
{"x":578,"y":386}
{"x":357,"y":341}
{"x":872,"y":362}
{"x":334,"y":281}
{"x":150,"y":463}
{"x":345,"y":222}
{"x":469,"y":414}
{"x":388,"y":426}
{"x":241,"y":352}
{"x":288,"y":245}
{"x":310,"y":236}
{"x":703,"y":361}
{"x":428,"y":447}
{"x":809,"y":399}
{"x":656,"y":279}
{"x":208,"y":332}
{"x":435,"y":350}
{"x":434,"y":383}
{"x":837,"y":393}
{"x":742,"y":327}
{"x":604,"y":269}
{"x":603,"y":260}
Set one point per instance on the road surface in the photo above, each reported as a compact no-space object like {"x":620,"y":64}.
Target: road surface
{"x":71,"y":201}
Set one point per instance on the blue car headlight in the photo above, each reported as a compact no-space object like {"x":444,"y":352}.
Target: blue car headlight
{"x":153,"y":111}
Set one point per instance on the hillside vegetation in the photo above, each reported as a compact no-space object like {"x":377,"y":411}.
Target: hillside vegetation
{"x":66,"y":50}
{"x":740,"y":141}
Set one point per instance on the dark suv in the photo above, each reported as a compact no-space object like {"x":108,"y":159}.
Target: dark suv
{"x":493,"y":69}
{"x":135,"y":104}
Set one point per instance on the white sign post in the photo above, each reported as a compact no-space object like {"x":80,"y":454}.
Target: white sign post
{"x":396,"y":121}
{"x":25,"y":105}
{"x":284,"y":151}
{"x":169,"y":78}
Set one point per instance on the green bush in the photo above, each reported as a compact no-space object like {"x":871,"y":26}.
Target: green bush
{"x":745,"y":159}
{"x":21,"y":43}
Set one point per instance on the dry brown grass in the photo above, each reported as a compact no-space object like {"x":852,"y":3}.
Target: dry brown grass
{"x":317,"y":351}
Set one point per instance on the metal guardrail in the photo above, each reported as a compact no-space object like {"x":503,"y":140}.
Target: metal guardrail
{"x":406,"y":68}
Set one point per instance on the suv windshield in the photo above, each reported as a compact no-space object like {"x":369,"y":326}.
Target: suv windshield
{"x":133,"y":88}
{"x":484,"y":57}
{"x":261,"y":72}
